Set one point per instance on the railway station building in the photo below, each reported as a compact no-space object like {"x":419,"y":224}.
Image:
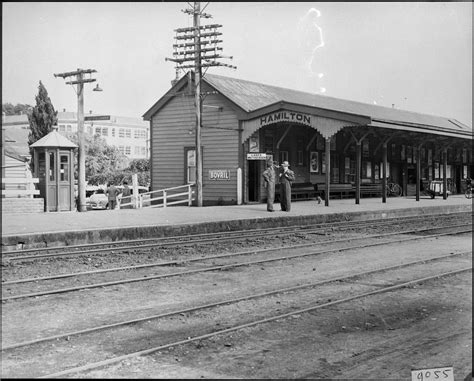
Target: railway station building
{"x":337,"y":148}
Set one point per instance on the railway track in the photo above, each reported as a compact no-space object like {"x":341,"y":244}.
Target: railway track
{"x":8,"y":292}
{"x":180,"y":315}
{"x":304,"y":299}
{"x":193,"y":239}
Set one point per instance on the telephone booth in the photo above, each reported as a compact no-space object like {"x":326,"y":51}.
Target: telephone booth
{"x":53,"y":158}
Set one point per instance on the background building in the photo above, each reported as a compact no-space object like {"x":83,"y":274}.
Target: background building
{"x":129,"y":135}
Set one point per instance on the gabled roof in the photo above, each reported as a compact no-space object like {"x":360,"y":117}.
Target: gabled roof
{"x":54,"y":139}
{"x":252,"y":97}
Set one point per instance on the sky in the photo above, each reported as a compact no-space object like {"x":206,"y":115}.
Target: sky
{"x":415,"y":56}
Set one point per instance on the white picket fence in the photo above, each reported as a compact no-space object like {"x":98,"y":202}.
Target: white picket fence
{"x":20,"y":187}
{"x":165,"y":197}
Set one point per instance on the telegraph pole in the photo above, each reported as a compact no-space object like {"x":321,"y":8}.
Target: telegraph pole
{"x":79,"y":81}
{"x":197,"y":97}
{"x":202,"y":52}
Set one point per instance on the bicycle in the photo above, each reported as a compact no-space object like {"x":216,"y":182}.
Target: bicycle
{"x":468,"y":192}
{"x":394,"y":190}
{"x":451,"y":186}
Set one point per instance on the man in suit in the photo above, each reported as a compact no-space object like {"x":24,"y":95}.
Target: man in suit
{"x":287,"y":176}
{"x":269,"y":175}
{"x":112,"y":193}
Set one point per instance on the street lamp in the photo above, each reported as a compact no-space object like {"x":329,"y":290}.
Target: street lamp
{"x":80,"y":80}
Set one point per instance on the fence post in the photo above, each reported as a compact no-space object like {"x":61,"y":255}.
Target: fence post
{"x":140,"y":201}
{"x":190,"y":195}
{"x":239,"y":186}
{"x":164,"y":199}
{"x":134,"y":198}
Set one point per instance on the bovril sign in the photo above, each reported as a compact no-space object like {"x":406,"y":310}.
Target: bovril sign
{"x":219,"y":174}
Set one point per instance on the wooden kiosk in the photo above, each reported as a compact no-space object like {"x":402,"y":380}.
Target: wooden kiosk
{"x":53,"y":158}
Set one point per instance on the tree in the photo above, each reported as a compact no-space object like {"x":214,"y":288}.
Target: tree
{"x":139,"y":165}
{"x":42,"y":118}
{"x":102,"y":160}
{"x":18,"y":109}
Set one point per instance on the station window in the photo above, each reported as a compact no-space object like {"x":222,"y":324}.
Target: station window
{"x":365,"y":148}
{"x":97,"y":130}
{"x":113,"y":132}
{"x":52,"y":166}
{"x":128,"y":150}
{"x":283,"y":156}
{"x":69,"y":128}
{"x":190,"y":163}
{"x":300,"y":157}
{"x":121,"y":133}
{"x":366,"y":170}
{"x":128,"y":133}
{"x":64,"y":168}
{"x":105,"y":131}
{"x":121,"y":149}
{"x":62,"y":127}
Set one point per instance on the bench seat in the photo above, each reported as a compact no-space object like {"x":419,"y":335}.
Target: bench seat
{"x":309,"y":191}
{"x":299,"y":191}
{"x":343,"y":190}
{"x":370,"y":189}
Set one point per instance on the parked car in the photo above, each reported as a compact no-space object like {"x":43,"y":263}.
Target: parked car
{"x":98,"y":199}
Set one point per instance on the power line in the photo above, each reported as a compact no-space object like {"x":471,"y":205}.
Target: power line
{"x":197,"y":47}
{"x":79,"y":81}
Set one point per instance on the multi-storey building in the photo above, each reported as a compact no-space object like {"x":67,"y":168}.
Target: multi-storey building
{"x":129,"y":135}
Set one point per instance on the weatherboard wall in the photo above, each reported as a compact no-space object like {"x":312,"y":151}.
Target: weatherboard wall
{"x":173,"y":133}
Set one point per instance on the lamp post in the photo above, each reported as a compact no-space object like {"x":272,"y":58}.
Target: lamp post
{"x":80,"y":80}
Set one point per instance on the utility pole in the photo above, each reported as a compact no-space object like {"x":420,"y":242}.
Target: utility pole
{"x":79,"y":81}
{"x":197,"y":100}
{"x":202,"y":52}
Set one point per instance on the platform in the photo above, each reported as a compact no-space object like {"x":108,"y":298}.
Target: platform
{"x":66,"y":228}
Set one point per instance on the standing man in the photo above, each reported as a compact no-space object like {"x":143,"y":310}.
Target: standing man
{"x":287,"y":176}
{"x":269,"y":176}
{"x":126,"y":196}
{"x":112,"y":193}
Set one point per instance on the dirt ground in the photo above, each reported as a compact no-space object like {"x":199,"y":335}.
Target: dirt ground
{"x":381,"y":337}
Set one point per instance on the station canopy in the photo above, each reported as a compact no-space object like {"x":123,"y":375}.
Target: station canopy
{"x":255,"y":100}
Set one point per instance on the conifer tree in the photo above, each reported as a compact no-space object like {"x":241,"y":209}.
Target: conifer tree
{"x":42,"y":118}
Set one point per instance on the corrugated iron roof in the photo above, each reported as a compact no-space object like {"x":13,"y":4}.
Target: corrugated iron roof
{"x":251,"y":96}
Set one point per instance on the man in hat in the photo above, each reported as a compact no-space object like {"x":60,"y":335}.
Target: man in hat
{"x":287,"y":176}
{"x":269,"y":175}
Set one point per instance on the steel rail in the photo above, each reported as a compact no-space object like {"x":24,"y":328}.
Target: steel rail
{"x":182,"y":243}
{"x":220,"y":268}
{"x":251,"y":324}
{"x":218,"y":256}
{"x":231,"y":301}
{"x":116,"y":244}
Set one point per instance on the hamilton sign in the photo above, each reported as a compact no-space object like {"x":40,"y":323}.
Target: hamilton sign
{"x":285,"y":116}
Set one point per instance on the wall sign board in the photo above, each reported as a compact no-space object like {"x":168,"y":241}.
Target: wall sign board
{"x":256,"y":156}
{"x":219,"y":174}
